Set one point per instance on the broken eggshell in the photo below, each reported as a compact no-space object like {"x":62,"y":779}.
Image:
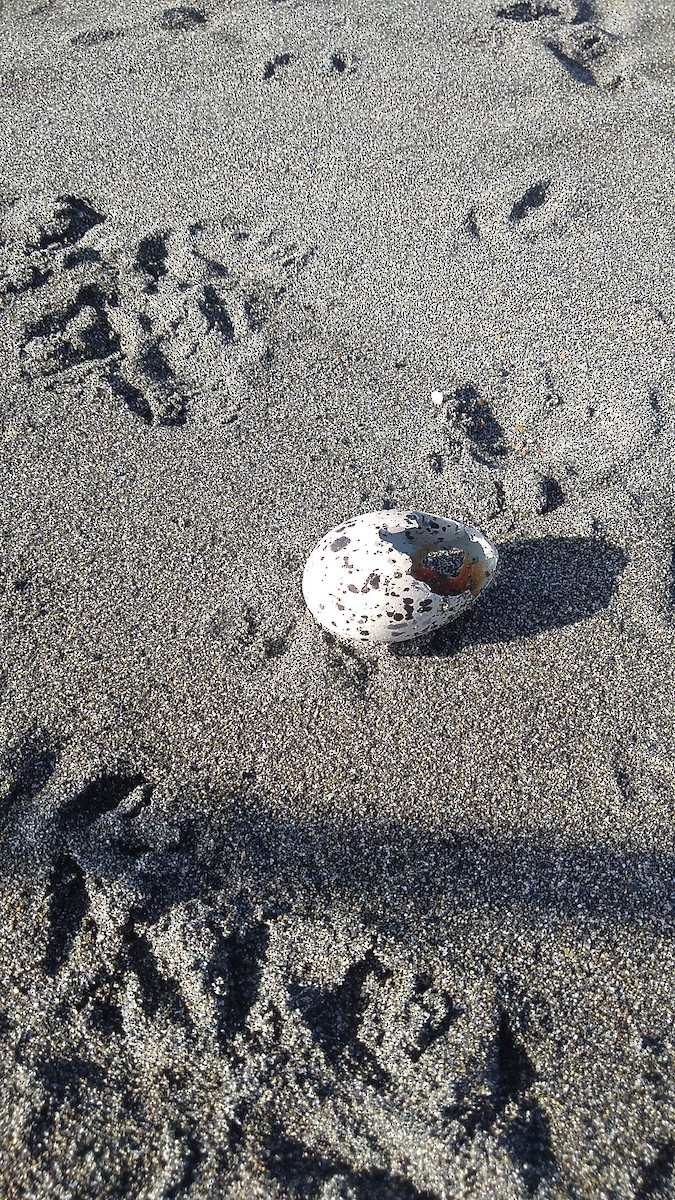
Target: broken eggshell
{"x":366,"y":580}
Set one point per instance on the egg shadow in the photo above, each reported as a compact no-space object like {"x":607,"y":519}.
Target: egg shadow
{"x":541,"y":584}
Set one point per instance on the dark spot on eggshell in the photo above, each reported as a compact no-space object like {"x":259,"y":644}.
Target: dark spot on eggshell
{"x":426,"y":606}
{"x":339,"y":544}
{"x":374,"y":579}
{"x":352,"y":588}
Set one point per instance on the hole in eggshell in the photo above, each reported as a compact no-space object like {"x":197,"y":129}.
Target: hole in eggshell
{"x":449,"y":573}
{"x":445,"y":562}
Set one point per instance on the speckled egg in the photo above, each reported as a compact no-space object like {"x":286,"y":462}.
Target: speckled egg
{"x":367,"y":580}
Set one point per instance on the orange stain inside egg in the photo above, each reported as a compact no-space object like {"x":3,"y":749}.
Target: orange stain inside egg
{"x":470,"y":578}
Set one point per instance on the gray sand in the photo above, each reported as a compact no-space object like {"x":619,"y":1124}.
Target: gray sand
{"x":280,"y":918}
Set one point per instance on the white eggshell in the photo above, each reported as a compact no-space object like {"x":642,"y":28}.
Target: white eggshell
{"x":360,"y":583}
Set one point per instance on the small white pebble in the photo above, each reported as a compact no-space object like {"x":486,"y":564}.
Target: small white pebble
{"x":437,"y":398}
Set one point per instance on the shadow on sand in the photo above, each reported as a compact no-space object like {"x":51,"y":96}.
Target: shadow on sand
{"x":540,"y":585}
